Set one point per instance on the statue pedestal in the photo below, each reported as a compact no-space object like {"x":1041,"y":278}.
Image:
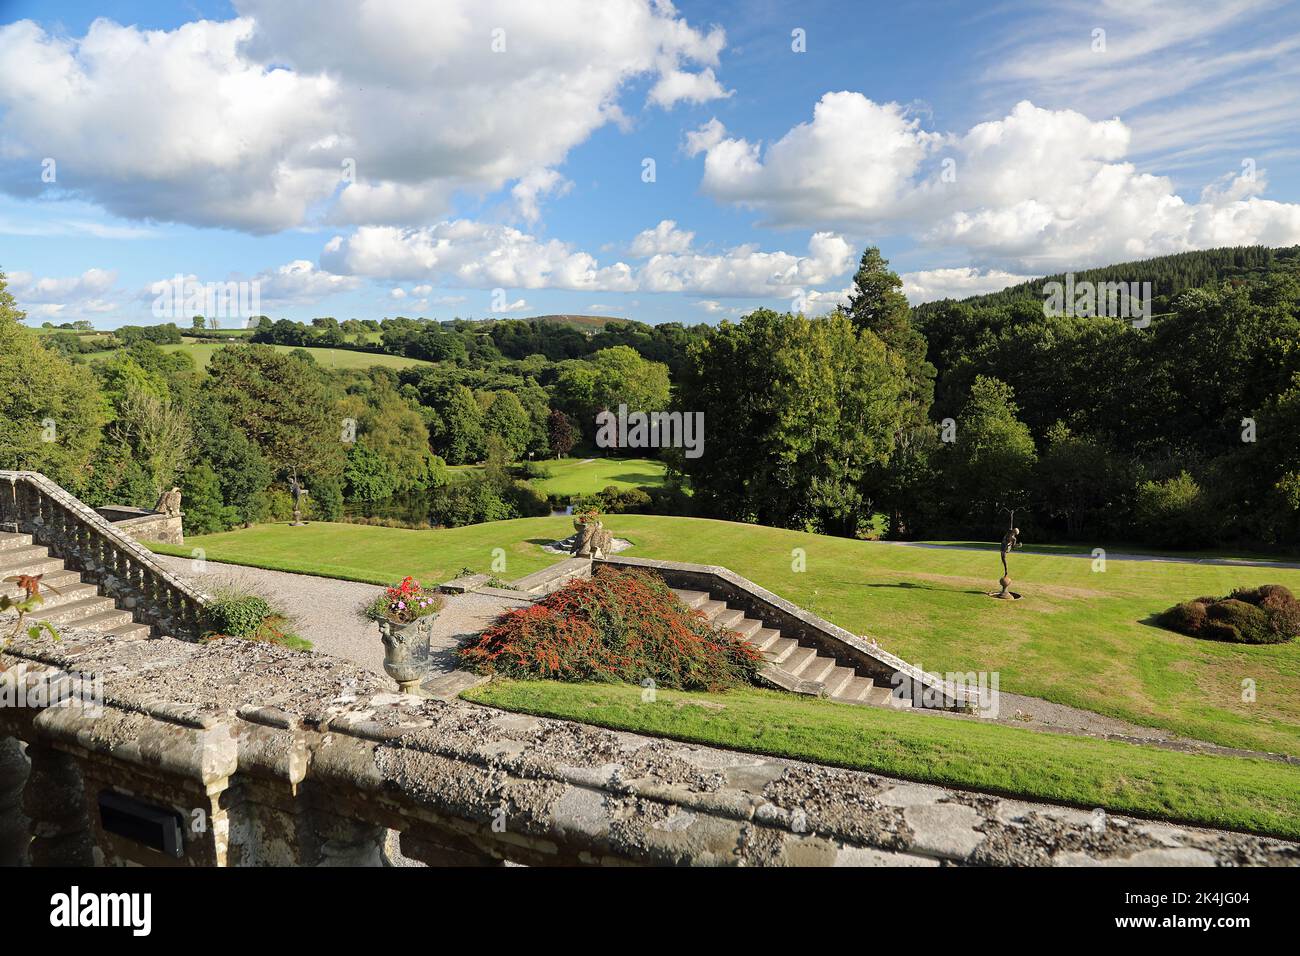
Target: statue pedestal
{"x":1006,"y":594}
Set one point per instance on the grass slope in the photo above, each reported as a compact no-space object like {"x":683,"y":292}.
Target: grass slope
{"x":374,"y":555}
{"x":1080,"y":638}
{"x":1245,"y":794}
{"x":575,"y":476}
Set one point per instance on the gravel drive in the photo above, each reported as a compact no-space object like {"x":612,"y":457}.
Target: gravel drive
{"x":324,"y":611}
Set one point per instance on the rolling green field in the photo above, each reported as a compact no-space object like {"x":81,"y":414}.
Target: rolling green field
{"x":1079,"y":638}
{"x":1246,"y":794}
{"x":201,"y":352}
{"x":575,"y":476}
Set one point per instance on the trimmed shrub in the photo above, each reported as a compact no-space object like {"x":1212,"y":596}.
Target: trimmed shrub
{"x":616,"y":626}
{"x":1250,"y":623}
{"x":1268,"y":614}
{"x":236,"y":616}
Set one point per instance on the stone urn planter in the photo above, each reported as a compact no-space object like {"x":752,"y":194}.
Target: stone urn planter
{"x":405,"y":614}
{"x":406,"y":651}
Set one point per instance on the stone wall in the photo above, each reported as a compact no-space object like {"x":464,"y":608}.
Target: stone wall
{"x":142,"y":525}
{"x":265,"y":756}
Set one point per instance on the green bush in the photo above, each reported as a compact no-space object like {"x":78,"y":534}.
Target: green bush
{"x":1249,"y":622}
{"x":1175,"y":513}
{"x":236,"y":616}
{"x":1268,"y":614}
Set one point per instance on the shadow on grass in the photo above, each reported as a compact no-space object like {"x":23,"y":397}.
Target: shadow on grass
{"x":909,"y":586}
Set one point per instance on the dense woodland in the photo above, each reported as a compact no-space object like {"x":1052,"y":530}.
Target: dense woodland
{"x":945,"y":418}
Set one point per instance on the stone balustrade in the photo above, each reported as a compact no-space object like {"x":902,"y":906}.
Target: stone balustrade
{"x":125,"y":571}
{"x":257,"y":755}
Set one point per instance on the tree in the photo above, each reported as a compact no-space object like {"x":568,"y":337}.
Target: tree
{"x":506,"y":419}
{"x":367,"y":475}
{"x":51,"y":413}
{"x":205,"y":512}
{"x":456,"y":431}
{"x":797,"y":412}
{"x":609,"y":378}
{"x":282,"y":406}
{"x":242,"y":472}
{"x":158,"y":432}
{"x":877,"y":304}
{"x":560,"y":433}
{"x":198,"y":322}
{"x":990,"y":466}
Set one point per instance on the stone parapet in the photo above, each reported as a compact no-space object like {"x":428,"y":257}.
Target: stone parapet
{"x":264,"y":756}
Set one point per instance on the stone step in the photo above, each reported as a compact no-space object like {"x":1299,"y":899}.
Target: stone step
{"x":58,"y":595}
{"x":884,"y":697}
{"x":797,"y":659}
{"x":692,"y":599}
{"x":780,"y":649}
{"x":857,"y":690}
{"x":58,"y":579}
{"x":13,"y":539}
{"x":132,"y":631}
{"x":838,"y":680}
{"x":727,"y":617}
{"x":76,"y":611}
{"x":818,"y":668}
{"x":30,"y":566}
{"x":798,"y":669}
{"x":20,"y":557}
{"x":107,"y":621}
{"x":711,"y":609}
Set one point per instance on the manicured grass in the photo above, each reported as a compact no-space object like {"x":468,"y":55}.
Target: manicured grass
{"x":382,"y":555}
{"x":1079,"y":637}
{"x":1244,"y":794}
{"x":575,"y":476}
{"x":201,"y":352}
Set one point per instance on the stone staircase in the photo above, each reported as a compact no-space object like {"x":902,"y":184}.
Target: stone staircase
{"x":791,"y":665}
{"x":77,"y":602}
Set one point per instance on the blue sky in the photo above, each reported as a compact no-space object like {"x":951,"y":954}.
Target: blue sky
{"x":502,"y":173}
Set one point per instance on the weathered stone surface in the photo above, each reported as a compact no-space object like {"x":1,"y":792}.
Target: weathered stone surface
{"x":300,"y":759}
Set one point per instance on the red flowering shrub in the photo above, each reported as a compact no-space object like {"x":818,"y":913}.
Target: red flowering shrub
{"x":616,"y":626}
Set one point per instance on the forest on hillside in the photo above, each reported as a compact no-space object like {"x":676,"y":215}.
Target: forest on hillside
{"x":947,"y":417}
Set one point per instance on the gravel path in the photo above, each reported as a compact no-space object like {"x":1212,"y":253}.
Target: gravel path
{"x":324,"y":611}
{"x":1110,"y":556}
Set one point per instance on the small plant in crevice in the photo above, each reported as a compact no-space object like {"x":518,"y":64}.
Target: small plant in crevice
{"x":618,"y":625}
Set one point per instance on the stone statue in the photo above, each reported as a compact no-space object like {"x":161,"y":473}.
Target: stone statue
{"x":593,"y":541}
{"x":169,"y":503}
{"x":1010,"y":541}
{"x":299,"y":491}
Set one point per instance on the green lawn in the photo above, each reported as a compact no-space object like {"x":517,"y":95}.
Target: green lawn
{"x":1246,"y":794}
{"x":383,"y":555}
{"x":1079,"y":638}
{"x":201,"y":352}
{"x":575,"y":476}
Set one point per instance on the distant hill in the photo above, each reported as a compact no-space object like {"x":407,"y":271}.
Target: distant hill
{"x":584,"y":322}
{"x":1168,"y":275}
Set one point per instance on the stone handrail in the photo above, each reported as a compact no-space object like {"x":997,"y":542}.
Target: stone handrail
{"x":932,"y":690}
{"x":263,"y":756}
{"x":127,"y":572}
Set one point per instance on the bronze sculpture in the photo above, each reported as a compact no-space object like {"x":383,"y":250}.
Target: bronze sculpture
{"x":1010,"y":541}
